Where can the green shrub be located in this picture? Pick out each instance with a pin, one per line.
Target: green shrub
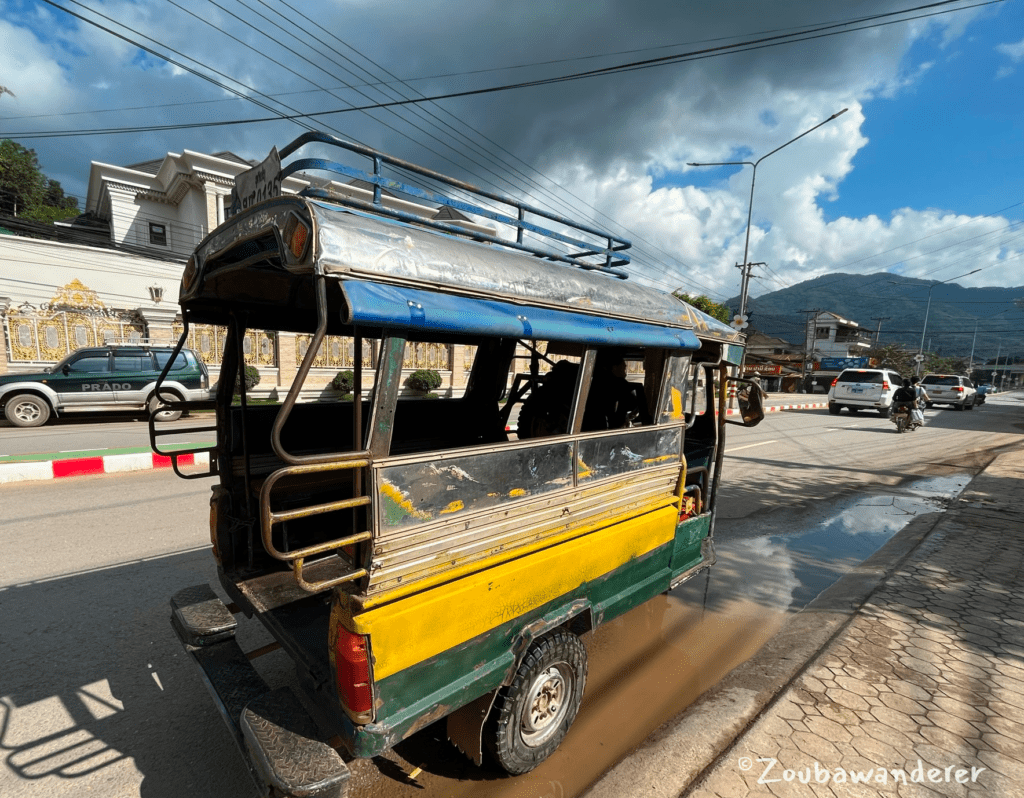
(344, 381)
(252, 379)
(424, 380)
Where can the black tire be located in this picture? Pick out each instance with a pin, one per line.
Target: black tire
(883, 412)
(901, 424)
(971, 405)
(960, 406)
(834, 409)
(928, 405)
(27, 410)
(531, 716)
(164, 415)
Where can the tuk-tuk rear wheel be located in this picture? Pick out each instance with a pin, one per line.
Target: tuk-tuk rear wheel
(531, 716)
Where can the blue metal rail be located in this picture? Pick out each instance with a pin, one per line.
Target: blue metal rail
(602, 254)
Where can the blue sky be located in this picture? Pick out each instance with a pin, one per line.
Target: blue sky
(911, 179)
(953, 139)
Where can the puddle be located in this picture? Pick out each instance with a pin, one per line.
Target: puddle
(650, 664)
(788, 570)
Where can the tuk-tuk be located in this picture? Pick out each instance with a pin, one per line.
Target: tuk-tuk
(428, 557)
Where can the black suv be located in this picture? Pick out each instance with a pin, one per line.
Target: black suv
(110, 377)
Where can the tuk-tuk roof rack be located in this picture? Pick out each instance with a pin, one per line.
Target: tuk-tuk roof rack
(602, 255)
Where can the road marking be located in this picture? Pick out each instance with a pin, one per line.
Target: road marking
(748, 446)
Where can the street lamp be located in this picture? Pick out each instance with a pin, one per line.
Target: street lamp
(745, 267)
(750, 207)
(924, 329)
(927, 308)
(970, 365)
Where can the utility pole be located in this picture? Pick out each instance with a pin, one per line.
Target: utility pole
(808, 346)
(878, 329)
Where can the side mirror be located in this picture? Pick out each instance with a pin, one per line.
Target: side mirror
(66, 370)
(751, 398)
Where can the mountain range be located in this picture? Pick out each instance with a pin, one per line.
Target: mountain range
(987, 319)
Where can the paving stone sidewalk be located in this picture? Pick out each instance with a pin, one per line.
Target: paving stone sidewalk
(922, 693)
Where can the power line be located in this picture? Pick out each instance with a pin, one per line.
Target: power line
(696, 55)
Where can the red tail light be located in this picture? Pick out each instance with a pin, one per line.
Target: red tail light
(834, 382)
(885, 385)
(959, 389)
(296, 236)
(353, 663)
(298, 242)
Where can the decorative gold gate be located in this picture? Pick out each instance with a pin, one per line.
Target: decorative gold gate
(73, 319)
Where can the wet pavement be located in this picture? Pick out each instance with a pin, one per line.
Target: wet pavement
(649, 665)
(917, 691)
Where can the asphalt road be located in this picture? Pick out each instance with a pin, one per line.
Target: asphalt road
(96, 696)
(83, 433)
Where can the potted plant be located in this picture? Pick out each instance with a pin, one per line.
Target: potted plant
(344, 381)
(423, 381)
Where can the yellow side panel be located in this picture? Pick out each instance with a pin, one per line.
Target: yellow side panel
(421, 626)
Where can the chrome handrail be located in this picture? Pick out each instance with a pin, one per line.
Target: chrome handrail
(297, 558)
(165, 403)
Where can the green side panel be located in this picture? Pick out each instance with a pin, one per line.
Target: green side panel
(430, 690)
(686, 551)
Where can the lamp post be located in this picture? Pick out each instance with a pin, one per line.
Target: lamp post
(927, 308)
(746, 267)
(750, 207)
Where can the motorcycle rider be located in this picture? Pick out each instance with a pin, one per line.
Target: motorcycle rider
(921, 397)
(905, 395)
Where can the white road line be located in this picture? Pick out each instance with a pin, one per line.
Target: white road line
(748, 446)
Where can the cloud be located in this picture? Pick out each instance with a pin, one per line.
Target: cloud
(613, 148)
(1015, 52)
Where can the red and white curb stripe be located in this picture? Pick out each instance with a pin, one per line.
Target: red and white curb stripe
(145, 461)
(777, 408)
(83, 466)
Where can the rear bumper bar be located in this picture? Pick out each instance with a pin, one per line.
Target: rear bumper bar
(278, 739)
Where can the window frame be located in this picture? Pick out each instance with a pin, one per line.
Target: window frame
(159, 234)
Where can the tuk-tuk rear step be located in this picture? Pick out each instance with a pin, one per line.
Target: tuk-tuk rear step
(284, 748)
(271, 727)
(273, 589)
(200, 617)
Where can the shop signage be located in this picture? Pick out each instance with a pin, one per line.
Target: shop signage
(762, 368)
(840, 363)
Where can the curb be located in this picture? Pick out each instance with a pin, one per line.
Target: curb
(84, 466)
(680, 753)
(777, 408)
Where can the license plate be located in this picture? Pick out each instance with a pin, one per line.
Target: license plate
(858, 390)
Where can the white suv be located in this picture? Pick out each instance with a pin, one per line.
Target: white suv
(950, 389)
(870, 389)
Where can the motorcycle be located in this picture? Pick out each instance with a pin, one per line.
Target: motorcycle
(903, 418)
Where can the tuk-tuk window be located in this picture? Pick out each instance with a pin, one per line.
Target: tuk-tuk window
(676, 390)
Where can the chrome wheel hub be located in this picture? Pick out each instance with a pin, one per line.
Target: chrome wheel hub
(26, 411)
(546, 704)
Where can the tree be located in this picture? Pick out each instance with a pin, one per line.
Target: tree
(897, 358)
(26, 192)
(705, 304)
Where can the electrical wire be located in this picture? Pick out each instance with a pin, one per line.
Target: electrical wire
(696, 55)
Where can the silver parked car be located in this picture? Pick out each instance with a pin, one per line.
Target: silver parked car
(868, 389)
(950, 389)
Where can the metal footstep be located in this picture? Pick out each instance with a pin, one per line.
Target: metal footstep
(283, 750)
(283, 746)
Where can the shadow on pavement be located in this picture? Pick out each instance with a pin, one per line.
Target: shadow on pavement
(96, 689)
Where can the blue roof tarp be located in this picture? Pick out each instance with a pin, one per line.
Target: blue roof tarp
(398, 307)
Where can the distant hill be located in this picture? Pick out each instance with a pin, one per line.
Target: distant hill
(900, 302)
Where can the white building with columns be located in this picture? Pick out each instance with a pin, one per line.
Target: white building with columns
(114, 272)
